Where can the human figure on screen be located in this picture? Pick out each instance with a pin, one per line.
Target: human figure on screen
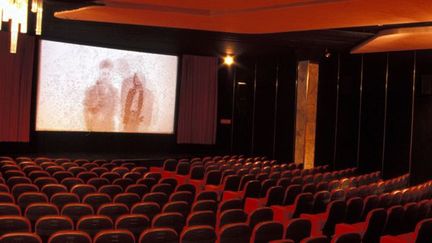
(136, 101)
(100, 101)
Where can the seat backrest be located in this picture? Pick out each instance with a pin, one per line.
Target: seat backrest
(274, 196)
(395, 216)
(260, 215)
(177, 207)
(114, 236)
(70, 236)
(375, 224)
(98, 182)
(19, 189)
(230, 204)
(113, 210)
(410, 216)
(93, 224)
(96, 199)
(370, 202)
(291, 194)
(198, 234)
(170, 165)
(213, 177)
(9, 209)
(20, 237)
(186, 188)
(76, 210)
(37, 210)
(298, 229)
(354, 210)
(207, 195)
(201, 218)
(51, 189)
(135, 223)
(238, 232)
(10, 224)
(48, 225)
(267, 231)
(321, 199)
(335, 214)
(423, 231)
(232, 216)
(182, 196)
(159, 235)
(128, 199)
(111, 190)
(157, 197)
(347, 238)
(252, 189)
(205, 205)
(149, 209)
(174, 221)
(138, 189)
(303, 204)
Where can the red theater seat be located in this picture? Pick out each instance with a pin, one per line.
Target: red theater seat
(20, 237)
(135, 223)
(234, 233)
(128, 199)
(149, 209)
(201, 218)
(113, 210)
(114, 236)
(267, 231)
(9, 209)
(62, 198)
(70, 236)
(96, 199)
(423, 233)
(36, 211)
(174, 221)
(93, 224)
(198, 234)
(347, 238)
(298, 229)
(159, 235)
(111, 190)
(48, 225)
(76, 210)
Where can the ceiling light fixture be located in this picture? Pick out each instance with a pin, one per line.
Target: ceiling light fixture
(16, 12)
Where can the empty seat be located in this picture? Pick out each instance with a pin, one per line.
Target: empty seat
(232, 233)
(395, 220)
(370, 230)
(423, 233)
(6, 198)
(9, 209)
(62, 198)
(10, 224)
(205, 205)
(177, 207)
(19, 189)
(14, 180)
(128, 199)
(135, 223)
(207, 195)
(174, 221)
(324, 223)
(28, 198)
(138, 189)
(150, 209)
(21, 237)
(113, 210)
(93, 224)
(157, 197)
(159, 235)
(98, 182)
(298, 229)
(198, 234)
(70, 236)
(182, 196)
(51, 189)
(61, 175)
(314, 239)
(123, 182)
(96, 200)
(267, 231)
(69, 182)
(260, 215)
(111, 190)
(42, 181)
(163, 187)
(86, 175)
(36, 211)
(347, 238)
(353, 210)
(232, 216)
(47, 225)
(114, 236)
(201, 218)
(76, 210)
(82, 190)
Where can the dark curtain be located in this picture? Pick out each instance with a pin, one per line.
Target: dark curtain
(16, 72)
(197, 117)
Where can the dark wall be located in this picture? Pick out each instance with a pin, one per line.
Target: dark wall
(264, 105)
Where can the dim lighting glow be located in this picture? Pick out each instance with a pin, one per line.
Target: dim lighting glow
(16, 12)
(229, 60)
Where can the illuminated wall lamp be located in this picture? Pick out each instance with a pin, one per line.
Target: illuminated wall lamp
(228, 60)
(16, 12)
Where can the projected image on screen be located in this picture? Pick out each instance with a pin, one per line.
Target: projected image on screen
(94, 89)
